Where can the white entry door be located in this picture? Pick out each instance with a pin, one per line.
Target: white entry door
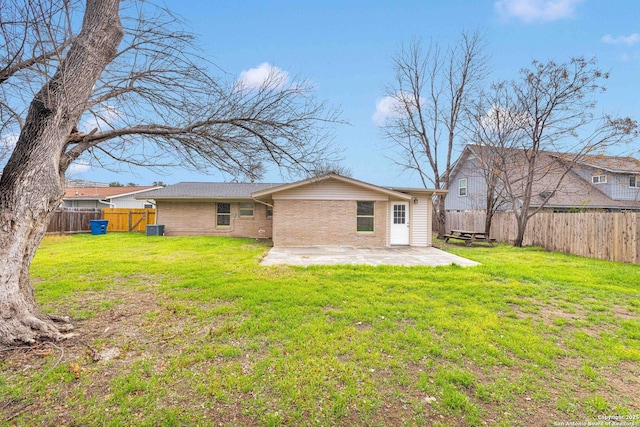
(399, 223)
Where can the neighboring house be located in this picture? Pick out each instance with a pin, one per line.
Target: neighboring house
(84, 183)
(598, 182)
(106, 197)
(326, 210)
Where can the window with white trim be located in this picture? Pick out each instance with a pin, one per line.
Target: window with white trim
(223, 214)
(365, 216)
(246, 209)
(462, 187)
(599, 179)
(634, 181)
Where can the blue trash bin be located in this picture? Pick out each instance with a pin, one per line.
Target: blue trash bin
(99, 226)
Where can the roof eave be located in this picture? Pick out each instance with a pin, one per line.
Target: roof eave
(225, 198)
(431, 191)
(270, 191)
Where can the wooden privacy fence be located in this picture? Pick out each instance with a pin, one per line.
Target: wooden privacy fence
(73, 221)
(124, 219)
(609, 236)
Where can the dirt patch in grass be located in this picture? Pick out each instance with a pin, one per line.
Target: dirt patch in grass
(138, 326)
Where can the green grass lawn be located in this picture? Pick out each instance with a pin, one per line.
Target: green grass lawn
(192, 331)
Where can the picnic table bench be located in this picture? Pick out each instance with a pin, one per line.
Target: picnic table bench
(469, 237)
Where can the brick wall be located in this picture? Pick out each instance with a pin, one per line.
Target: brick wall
(199, 219)
(325, 222)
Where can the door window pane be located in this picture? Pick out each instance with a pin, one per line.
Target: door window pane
(399, 214)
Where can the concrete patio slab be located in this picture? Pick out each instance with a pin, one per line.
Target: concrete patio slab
(333, 255)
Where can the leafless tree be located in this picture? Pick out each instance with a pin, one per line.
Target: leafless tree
(133, 89)
(428, 98)
(324, 168)
(541, 125)
(493, 131)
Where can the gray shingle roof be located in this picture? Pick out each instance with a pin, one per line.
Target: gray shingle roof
(613, 163)
(207, 190)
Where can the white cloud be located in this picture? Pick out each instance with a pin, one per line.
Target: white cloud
(629, 40)
(501, 121)
(536, 10)
(8, 141)
(263, 74)
(105, 118)
(393, 106)
(386, 108)
(78, 167)
(7, 144)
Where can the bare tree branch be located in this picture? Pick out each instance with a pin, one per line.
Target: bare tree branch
(130, 87)
(429, 95)
(543, 124)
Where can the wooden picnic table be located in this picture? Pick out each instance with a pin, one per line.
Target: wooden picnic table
(469, 236)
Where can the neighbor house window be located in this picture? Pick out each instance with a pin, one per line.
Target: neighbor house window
(599, 179)
(148, 206)
(246, 209)
(223, 214)
(462, 187)
(634, 181)
(269, 211)
(365, 216)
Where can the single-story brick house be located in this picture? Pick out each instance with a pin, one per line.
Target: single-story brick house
(326, 210)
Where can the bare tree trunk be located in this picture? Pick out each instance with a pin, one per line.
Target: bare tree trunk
(441, 216)
(522, 227)
(488, 219)
(27, 202)
(32, 183)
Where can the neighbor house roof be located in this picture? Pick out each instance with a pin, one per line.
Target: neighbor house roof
(207, 190)
(575, 192)
(102, 193)
(614, 164)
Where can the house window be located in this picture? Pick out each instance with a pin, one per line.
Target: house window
(365, 216)
(223, 214)
(246, 209)
(148, 206)
(634, 181)
(462, 187)
(269, 211)
(599, 179)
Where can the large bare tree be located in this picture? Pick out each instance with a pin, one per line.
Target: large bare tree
(536, 128)
(128, 86)
(492, 131)
(428, 97)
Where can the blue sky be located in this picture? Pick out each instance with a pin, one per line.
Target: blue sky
(345, 47)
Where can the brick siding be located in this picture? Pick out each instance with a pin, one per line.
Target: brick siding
(325, 222)
(199, 219)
